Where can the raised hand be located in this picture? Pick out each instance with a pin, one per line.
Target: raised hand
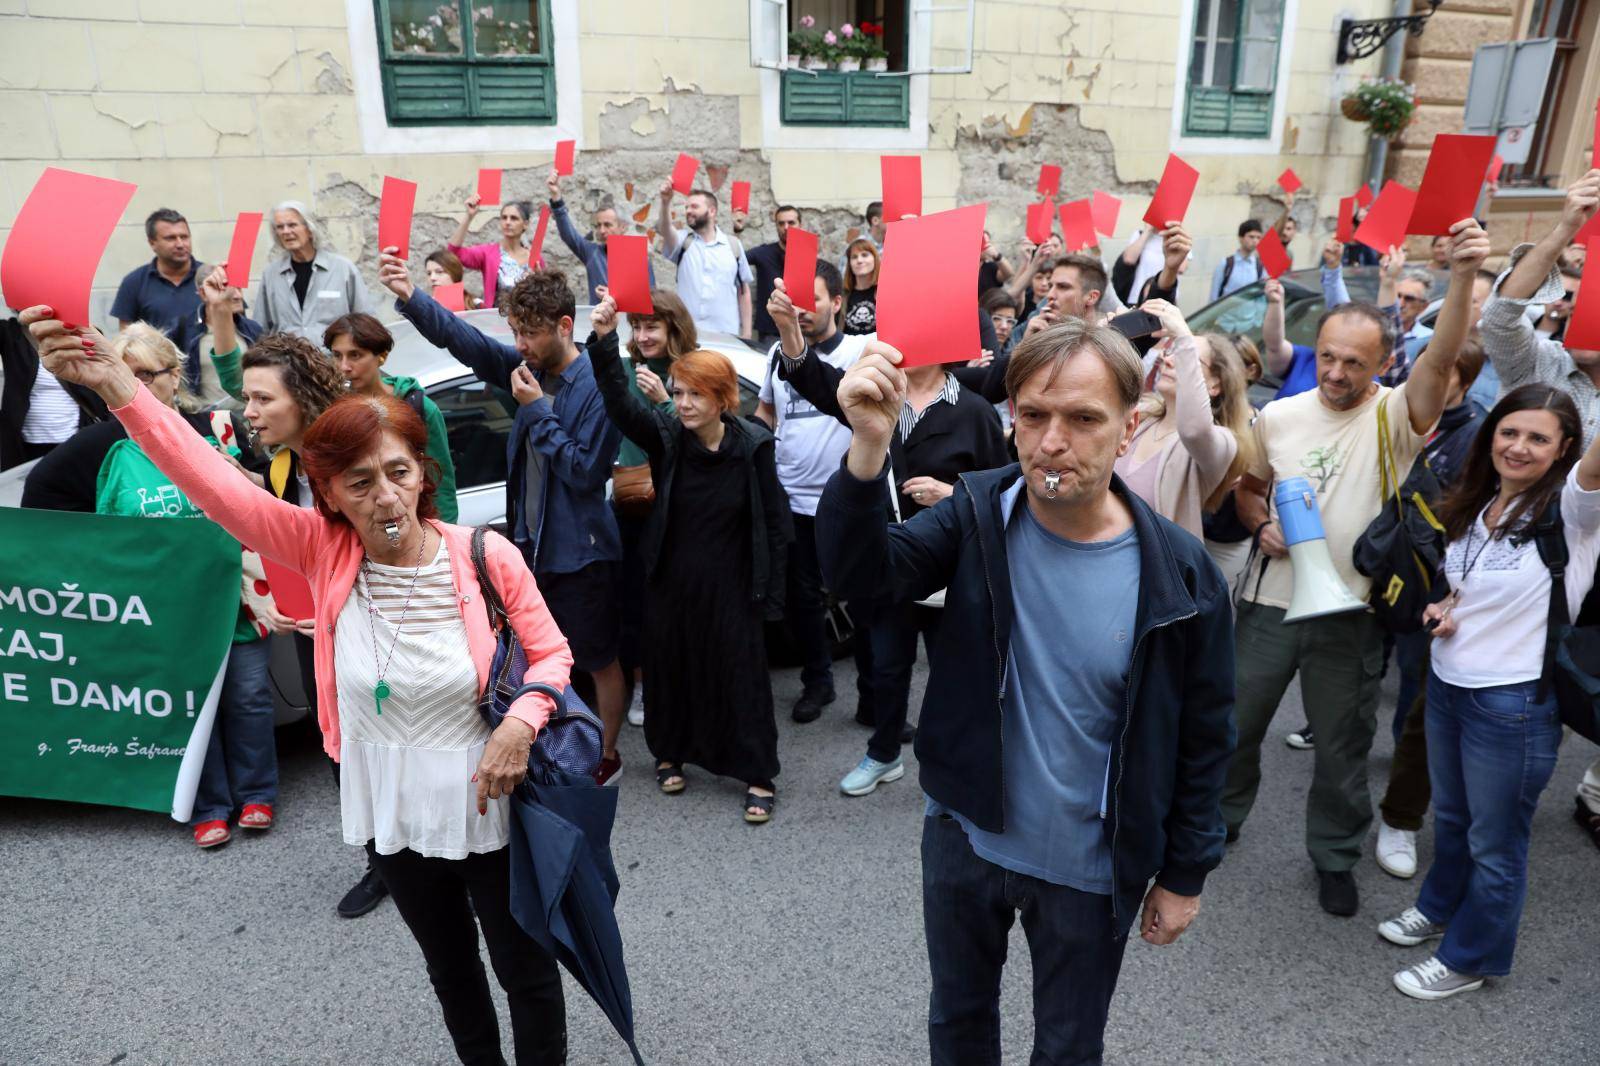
(1172, 320)
(871, 395)
(552, 182)
(81, 356)
(473, 203)
(393, 275)
(1332, 253)
(1469, 247)
(603, 319)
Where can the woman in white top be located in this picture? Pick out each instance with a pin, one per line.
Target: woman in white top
(1193, 437)
(1492, 733)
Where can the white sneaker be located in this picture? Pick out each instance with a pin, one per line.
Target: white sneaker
(1410, 928)
(1397, 851)
(636, 708)
(1434, 980)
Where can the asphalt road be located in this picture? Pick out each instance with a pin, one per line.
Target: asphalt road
(799, 942)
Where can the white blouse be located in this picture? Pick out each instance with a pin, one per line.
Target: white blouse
(406, 774)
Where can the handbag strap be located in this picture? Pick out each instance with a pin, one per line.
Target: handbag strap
(491, 596)
(1550, 538)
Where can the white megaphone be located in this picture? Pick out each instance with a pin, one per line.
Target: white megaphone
(1318, 589)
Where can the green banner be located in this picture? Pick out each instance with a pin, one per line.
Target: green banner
(114, 632)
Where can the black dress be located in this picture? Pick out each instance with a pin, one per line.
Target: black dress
(707, 693)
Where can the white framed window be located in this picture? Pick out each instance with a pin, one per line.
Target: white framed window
(1235, 58)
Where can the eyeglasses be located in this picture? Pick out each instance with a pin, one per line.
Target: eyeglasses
(149, 376)
(1413, 299)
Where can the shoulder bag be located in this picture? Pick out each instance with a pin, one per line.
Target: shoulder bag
(1402, 548)
(1571, 652)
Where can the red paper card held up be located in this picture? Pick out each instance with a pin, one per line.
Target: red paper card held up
(1364, 195)
(1049, 180)
(928, 287)
(539, 231)
(1594, 148)
(242, 249)
(451, 297)
(290, 590)
(57, 240)
(1289, 180)
(489, 185)
(800, 268)
(1105, 208)
(1451, 182)
(1385, 224)
(1583, 327)
(1077, 225)
(1496, 165)
(740, 198)
(628, 272)
(683, 172)
(565, 151)
(1274, 256)
(394, 215)
(1589, 235)
(1039, 220)
(1346, 232)
(902, 186)
(1171, 201)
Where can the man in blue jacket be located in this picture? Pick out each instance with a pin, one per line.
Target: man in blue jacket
(1077, 725)
(558, 461)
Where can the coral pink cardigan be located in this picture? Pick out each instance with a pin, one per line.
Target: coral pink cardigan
(329, 554)
(486, 258)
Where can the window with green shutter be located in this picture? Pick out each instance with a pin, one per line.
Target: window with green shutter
(845, 98)
(1233, 68)
(466, 62)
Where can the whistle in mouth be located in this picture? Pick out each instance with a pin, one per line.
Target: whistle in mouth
(392, 531)
(1052, 481)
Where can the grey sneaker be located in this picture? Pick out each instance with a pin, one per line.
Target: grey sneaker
(869, 774)
(1434, 980)
(1410, 929)
(1301, 739)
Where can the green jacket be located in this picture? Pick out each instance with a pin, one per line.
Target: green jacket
(630, 454)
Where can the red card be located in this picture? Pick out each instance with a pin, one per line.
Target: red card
(1451, 183)
(1105, 209)
(800, 268)
(57, 240)
(565, 150)
(246, 228)
(1583, 327)
(928, 287)
(683, 172)
(1347, 220)
(1289, 180)
(1589, 234)
(451, 297)
(1039, 219)
(1385, 224)
(1594, 149)
(902, 186)
(290, 591)
(1171, 201)
(628, 272)
(1274, 256)
(489, 185)
(394, 215)
(1049, 180)
(539, 231)
(1496, 165)
(741, 196)
(1077, 225)
(1364, 195)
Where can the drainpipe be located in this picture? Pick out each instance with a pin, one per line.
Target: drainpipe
(1393, 53)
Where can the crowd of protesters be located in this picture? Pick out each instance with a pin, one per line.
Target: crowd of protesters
(1121, 452)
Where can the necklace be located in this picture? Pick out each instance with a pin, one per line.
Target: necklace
(381, 690)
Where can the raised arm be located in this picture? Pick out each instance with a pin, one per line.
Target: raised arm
(1212, 446)
(579, 245)
(1430, 378)
(459, 237)
(813, 377)
(639, 421)
(1334, 293)
(1175, 246)
(669, 236)
(1530, 271)
(491, 360)
(1275, 346)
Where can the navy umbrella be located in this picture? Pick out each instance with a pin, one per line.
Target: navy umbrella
(563, 882)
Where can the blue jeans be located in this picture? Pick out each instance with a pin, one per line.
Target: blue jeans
(1491, 752)
(968, 906)
(242, 760)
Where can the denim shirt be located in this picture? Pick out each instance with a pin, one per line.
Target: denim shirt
(576, 525)
(591, 253)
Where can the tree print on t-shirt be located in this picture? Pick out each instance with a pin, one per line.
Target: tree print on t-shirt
(1321, 465)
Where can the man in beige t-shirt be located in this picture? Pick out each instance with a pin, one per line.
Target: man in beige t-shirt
(1330, 437)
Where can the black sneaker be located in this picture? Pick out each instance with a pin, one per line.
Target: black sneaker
(1336, 891)
(808, 708)
(1301, 739)
(367, 894)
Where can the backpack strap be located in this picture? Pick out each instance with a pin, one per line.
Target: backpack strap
(1227, 272)
(1550, 538)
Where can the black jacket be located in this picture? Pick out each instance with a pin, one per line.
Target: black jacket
(20, 364)
(661, 436)
(1175, 735)
(946, 442)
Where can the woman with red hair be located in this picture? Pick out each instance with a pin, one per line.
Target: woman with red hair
(403, 651)
(714, 550)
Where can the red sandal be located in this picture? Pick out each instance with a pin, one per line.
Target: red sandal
(256, 816)
(212, 834)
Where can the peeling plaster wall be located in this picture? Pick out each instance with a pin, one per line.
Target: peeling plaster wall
(249, 102)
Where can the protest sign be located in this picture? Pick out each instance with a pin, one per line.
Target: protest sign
(1049, 180)
(683, 172)
(395, 207)
(1274, 256)
(800, 268)
(928, 286)
(1385, 224)
(1173, 193)
(1345, 232)
(628, 277)
(451, 297)
(57, 240)
(1040, 218)
(1289, 181)
(1077, 225)
(902, 186)
(565, 153)
(242, 249)
(1456, 170)
(740, 200)
(1106, 208)
(488, 185)
(114, 634)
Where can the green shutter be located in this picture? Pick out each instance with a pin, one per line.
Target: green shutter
(471, 90)
(1220, 113)
(845, 98)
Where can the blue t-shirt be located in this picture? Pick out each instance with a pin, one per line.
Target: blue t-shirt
(1302, 375)
(1066, 687)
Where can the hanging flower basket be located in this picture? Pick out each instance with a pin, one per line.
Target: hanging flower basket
(1354, 109)
(1386, 105)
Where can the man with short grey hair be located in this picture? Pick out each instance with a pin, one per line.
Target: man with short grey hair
(1413, 292)
(590, 250)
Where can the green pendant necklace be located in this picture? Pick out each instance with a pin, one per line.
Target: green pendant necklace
(381, 690)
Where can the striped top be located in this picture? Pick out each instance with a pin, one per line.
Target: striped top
(910, 416)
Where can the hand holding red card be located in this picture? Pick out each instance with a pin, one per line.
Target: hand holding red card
(1039, 219)
(57, 240)
(1077, 225)
(740, 198)
(488, 185)
(1364, 195)
(928, 286)
(1451, 183)
(628, 272)
(902, 186)
(565, 151)
(1171, 201)
(1105, 208)
(1346, 231)
(1049, 180)
(1289, 180)
(800, 268)
(242, 249)
(394, 215)
(451, 297)
(1583, 326)
(1274, 256)
(539, 231)
(1385, 224)
(683, 172)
